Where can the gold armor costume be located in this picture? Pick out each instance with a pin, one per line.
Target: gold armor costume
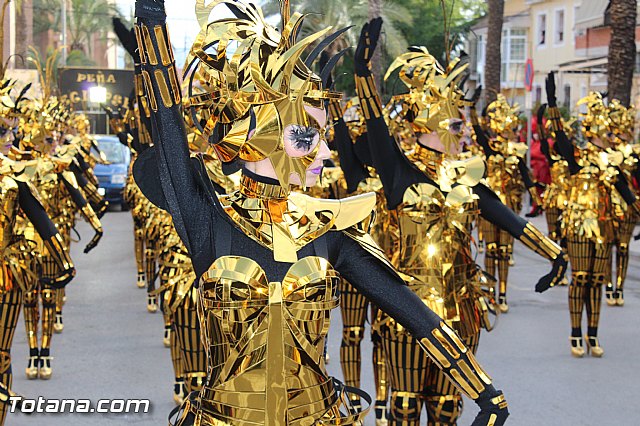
(267, 258)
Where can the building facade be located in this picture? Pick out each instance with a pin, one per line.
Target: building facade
(570, 37)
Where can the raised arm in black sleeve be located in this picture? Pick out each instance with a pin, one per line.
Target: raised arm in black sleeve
(186, 199)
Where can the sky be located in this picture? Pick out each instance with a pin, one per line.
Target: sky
(181, 19)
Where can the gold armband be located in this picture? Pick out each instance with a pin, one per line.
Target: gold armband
(335, 110)
(555, 118)
(92, 218)
(369, 99)
(535, 196)
(117, 125)
(545, 247)
(57, 250)
(158, 54)
(446, 349)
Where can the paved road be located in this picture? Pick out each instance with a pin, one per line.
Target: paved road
(112, 348)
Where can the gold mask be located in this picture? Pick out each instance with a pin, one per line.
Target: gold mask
(434, 99)
(252, 82)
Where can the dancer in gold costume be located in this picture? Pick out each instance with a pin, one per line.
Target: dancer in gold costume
(350, 140)
(436, 194)
(22, 217)
(621, 137)
(507, 176)
(267, 258)
(62, 198)
(589, 219)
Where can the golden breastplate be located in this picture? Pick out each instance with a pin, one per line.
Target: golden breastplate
(435, 244)
(265, 343)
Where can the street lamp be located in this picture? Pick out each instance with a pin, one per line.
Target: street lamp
(97, 94)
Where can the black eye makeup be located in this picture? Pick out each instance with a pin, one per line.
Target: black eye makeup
(303, 137)
(3, 131)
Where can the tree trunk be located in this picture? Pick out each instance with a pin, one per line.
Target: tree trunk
(622, 49)
(24, 32)
(493, 59)
(375, 10)
(5, 3)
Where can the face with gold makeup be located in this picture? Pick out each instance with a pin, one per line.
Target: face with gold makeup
(261, 102)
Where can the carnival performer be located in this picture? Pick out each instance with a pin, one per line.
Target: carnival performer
(589, 218)
(62, 198)
(267, 258)
(436, 195)
(18, 271)
(621, 133)
(350, 141)
(507, 176)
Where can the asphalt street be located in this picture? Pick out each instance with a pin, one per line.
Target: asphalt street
(112, 348)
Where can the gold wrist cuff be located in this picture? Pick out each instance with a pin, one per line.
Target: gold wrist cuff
(92, 218)
(165, 77)
(57, 250)
(117, 125)
(533, 191)
(545, 247)
(335, 111)
(555, 118)
(448, 351)
(369, 99)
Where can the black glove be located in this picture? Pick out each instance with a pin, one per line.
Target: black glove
(366, 46)
(550, 84)
(554, 277)
(489, 409)
(151, 9)
(94, 242)
(126, 36)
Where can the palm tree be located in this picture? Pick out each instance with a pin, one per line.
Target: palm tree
(24, 26)
(622, 49)
(343, 13)
(85, 18)
(493, 63)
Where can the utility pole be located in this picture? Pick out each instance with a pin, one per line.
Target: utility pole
(64, 32)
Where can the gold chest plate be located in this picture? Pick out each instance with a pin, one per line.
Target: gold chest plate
(265, 343)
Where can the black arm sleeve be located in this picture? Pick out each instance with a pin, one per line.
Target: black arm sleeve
(76, 196)
(483, 140)
(564, 147)
(354, 171)
(526, 175)
(186, 200)
(622, 185)
(80, 177)
(493, 210)
(35, 212)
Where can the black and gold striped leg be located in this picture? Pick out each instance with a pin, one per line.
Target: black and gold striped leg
(622, 256)
(179, 387)
(151, 267)
(58, 325)
(408, 369)
(10, 304)
(353, 307)
(552, 215)
(380, 373)
(186, 328)
(138, 241)
(48, 315)
(443, 401)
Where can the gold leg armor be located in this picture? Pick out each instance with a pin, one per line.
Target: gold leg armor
(48, 315)
(138, 239)
(187, 332)
(553, 223)
(354, 313)
(10, 303)
(31, 316)
(590, 265)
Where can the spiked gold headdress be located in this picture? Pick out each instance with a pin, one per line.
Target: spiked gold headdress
(252, 82)
(595, 122)
(434, 99)
(503, 118)
(621, 120)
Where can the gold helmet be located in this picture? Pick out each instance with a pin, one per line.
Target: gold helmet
(621, 120)
(434, 100)
(252, 82)
(595, 122)
(502, 118)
